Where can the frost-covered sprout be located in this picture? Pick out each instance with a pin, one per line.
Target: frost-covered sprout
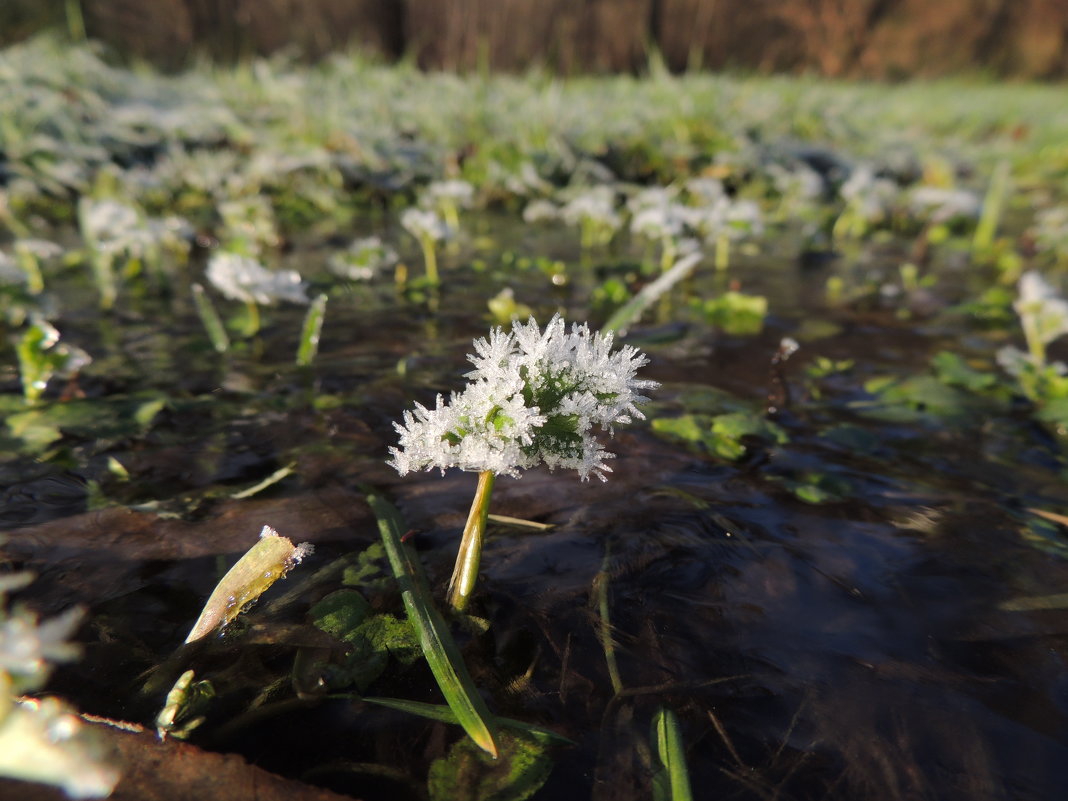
(447, 198)
(423, 224)
(540, 210)
(535, 397)
(1050, 232)
(665, 224)
(43, 357)
(245, 279)
(248, 224)
(363, 259)
(113, 230)
(594, 211)
(428, 229)
(41, 740)
(868, 198)
(1044, 318)
(706, 191)
(1043, 315)
(28, 646)
(29, 253)
(940, 204)
(10, 272)
(722, 221)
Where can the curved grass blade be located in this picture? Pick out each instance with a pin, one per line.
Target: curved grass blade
(437, 644)
(673, 782)
(993, 204)
(210, 318)
(309, 334)
(630, 311)
(444, 714)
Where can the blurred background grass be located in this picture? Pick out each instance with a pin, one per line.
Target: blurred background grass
(880, 39)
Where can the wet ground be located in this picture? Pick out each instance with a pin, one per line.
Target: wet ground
(855, 603)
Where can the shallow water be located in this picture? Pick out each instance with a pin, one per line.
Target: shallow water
(826, 614)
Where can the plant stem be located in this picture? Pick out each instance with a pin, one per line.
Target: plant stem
(253, 320)
(431, 259)
(465, 573)
(600, 593)
(723, 252)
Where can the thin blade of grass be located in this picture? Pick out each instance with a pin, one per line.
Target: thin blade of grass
(630, 311)
(600, 594)
(444, 714)
(990, 216)
(210, 318)
(309, 334)
(441, 651)
(271, 480)
(673, 757)
(1035, 603)
(1053, 517)
(518, 522)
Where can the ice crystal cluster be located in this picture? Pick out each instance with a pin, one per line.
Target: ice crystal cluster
(43, 740)
(243, 278)
(534, 397)
(1044, 318)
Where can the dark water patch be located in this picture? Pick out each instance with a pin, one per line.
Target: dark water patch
(823, 595)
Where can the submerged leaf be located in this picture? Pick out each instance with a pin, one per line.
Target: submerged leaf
(372, 639)
(722, 434)
(468, 774)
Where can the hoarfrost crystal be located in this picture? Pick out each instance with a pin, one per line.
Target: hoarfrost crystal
(243, 278)
(534, 397)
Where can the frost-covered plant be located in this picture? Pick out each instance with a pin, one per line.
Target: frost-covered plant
(10, 272)
(43, 357)
(248, 225)
(428, 229)
(245, 279)
(722, 221)
(1044, 318)
(535, 397)
(1050, 232)
(114, 230)
(447, 198)
(869, 200)
(939, 204)
(540, 210)
(657, 217)
(594, 211)
(41, 740)
(29, 253)
(363, 259)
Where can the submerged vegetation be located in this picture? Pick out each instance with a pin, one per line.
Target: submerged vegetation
(219, 290)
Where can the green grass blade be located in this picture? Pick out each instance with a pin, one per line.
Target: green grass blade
(990, 216)
(437, 644)
(630, 311)
(212, 324)
(309, 334)
(673, 783)
(444, 714)
(600, 594)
